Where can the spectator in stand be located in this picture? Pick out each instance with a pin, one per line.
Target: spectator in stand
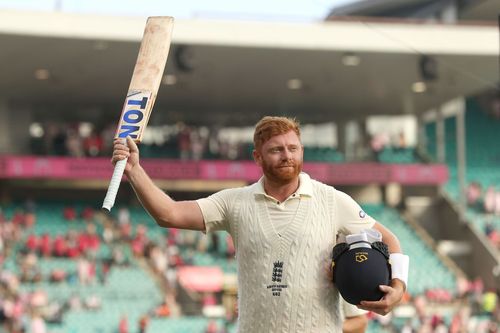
(490, 200)
(29, 220)
(197, 145)
(11, 232)
(107, 135)
(420, 303)
(74, 302)
(143, 323)
(108, 234)
(158, 259)
(473, 194)
(118, 258)
(489, 302)
(87, 214)
(93, 302)
(29, 205)
(476, 290)
(211, 327)
(171, 276)
(188, 238)
(92, 240)
(74, 144)
(123, 216)
(93, 144)
(45, 245)
(32, 243)
(377, 144)
(103, 267)
(202, 245)
(18, 218)
(140, 241)
(37, 324)
(69, 213)
(123, 325)
(184, 141)
(162, 310)
(125, 231)
(497, 203)
(60, 246)
(58, 145)
(2, 216)
(72, 250)
(57, 275)
(208, 300)
(175, 259)
(494, 237)
(84, 271)
(29, 269)
(172, 238)
(400, 143)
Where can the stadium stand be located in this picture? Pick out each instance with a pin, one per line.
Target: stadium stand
(482, 164)
(422, 255)
(114, 295)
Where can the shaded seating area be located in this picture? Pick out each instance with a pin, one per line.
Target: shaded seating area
(420, 281)
(482, 164)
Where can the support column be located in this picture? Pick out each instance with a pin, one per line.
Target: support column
(461, 155)
(14, 129)
(5, 128)
(449, 13)
(440, 136)
(421, 135)
(341, 137)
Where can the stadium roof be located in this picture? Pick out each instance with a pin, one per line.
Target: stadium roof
(234, 72)
(477, 10)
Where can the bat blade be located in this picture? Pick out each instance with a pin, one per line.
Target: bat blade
(146, 78)
(142, 91)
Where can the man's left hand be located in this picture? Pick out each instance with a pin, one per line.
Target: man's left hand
(393, 295)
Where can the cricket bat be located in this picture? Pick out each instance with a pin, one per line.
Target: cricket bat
(142, 91)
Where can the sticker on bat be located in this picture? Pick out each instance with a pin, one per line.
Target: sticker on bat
(134, 114)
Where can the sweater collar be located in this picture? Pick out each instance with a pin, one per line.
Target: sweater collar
(305, 186)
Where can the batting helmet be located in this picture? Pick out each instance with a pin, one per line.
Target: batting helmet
(359, 269)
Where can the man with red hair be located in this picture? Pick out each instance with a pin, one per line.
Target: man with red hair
(283, 227)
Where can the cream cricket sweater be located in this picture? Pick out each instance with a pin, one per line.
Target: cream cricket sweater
(283, 284)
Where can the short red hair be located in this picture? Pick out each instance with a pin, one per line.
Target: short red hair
(268, 127)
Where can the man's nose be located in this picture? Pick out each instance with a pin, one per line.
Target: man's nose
(287, 154)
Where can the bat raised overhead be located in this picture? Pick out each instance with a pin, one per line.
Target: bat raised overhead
(142, 91)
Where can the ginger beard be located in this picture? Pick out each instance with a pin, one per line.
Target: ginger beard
(282, 173)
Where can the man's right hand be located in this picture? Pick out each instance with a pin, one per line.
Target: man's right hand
(122, 151)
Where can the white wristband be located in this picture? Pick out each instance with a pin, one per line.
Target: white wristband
(400, 264)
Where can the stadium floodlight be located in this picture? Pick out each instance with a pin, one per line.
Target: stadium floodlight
(350, 59)
(294, 84)
(419, 87)
(41, 74)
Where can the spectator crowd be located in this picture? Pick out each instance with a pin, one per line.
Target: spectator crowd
(471, 308)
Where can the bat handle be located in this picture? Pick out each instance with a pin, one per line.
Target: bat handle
(114, 184)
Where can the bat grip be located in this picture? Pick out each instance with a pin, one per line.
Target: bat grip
(114, 184)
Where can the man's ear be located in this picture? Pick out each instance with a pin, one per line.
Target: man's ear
(257, 157)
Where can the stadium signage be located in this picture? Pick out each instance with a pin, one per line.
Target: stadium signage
(12, 167)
